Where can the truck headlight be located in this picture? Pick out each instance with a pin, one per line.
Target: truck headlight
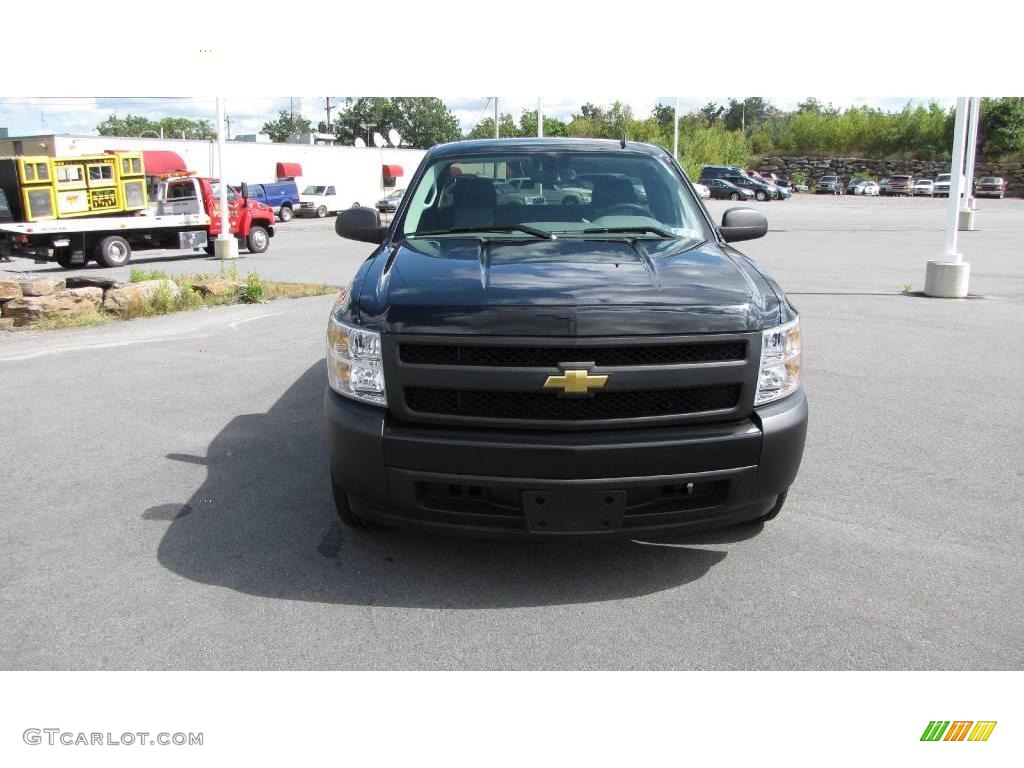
(779, 374)
(354, 365)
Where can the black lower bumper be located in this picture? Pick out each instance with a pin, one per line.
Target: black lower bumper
(607, 483)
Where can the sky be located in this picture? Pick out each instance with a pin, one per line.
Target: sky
(80, 115)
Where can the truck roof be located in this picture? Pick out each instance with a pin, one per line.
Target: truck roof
(539, 145)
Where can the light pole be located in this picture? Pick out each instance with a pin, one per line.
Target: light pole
(967, 209)
(225, 246)
(947, 276)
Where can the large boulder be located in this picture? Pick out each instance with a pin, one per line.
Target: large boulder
(6, 323)
(41, 287)
(9, 289)
(67, 303)
(136, 294)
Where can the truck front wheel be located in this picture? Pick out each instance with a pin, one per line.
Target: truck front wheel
(321, 211)
(257, 240)
(286, 213)
(113, 251)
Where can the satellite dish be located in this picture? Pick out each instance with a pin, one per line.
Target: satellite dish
(378, 140)
(394, 137)
(359, 142)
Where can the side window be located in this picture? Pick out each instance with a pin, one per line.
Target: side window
(330, 191)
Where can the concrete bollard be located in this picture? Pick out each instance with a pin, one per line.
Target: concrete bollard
(965, 222)
(947, 279)
(225, 248)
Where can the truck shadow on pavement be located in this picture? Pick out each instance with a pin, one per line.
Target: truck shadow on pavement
(263, 523)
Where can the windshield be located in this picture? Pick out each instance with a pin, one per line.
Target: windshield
(828, 178)
(943, 177)
(313, 190)
(990, 180)
(569, 193)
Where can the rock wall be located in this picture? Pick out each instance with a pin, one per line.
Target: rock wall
(846, 167)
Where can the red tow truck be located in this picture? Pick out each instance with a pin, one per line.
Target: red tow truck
(184, 215)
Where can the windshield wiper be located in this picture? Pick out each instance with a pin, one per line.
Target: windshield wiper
(626, 230)
(495, 228)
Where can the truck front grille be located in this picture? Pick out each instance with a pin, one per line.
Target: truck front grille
(548, 406)
(508, 356)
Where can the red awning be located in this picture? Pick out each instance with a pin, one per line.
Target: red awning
(288, 170)
(161, 161)
(391, 171)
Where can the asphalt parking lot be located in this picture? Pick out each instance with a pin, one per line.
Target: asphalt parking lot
(166, 504)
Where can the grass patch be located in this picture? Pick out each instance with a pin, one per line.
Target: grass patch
(255, 290)
(72, 321)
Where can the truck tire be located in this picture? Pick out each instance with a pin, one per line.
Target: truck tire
(113, 251)
(257, 241)
(286, 213)
(63, 257)
(321, 211)
(344, 509)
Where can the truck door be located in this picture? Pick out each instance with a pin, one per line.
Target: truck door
(235, 210)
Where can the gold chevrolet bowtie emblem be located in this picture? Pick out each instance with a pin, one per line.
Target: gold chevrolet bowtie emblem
(575, 382)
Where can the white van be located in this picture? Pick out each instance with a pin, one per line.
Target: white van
(319, 200)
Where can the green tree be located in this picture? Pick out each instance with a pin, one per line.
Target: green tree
(176, 127)
(170, 127)
(130, 125)
(285, 125)
(421, 121)
(1001, 126)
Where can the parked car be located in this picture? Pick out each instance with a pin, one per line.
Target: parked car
(555, 192)
(867, 189)
(390, 201)
(781, 192)
(854, 184)
(319, 200)
(282, 196)
(734, 174)
(900, 185)
(675, 405)
(990, 186)
(942, 184)
(725, 190)
(883, 186)
(923, 188)
(702, 190)
(828, 185)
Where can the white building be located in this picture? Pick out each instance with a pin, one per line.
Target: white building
(363, 174)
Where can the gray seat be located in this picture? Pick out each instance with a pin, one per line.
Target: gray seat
(610, 191)
(473, 203)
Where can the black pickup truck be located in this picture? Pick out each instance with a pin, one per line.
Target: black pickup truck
(605, 368)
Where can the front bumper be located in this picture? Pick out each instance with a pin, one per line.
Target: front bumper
(599, 484)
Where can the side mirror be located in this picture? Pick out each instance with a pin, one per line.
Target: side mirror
(743, 224)
(245, 192)
(360, 224)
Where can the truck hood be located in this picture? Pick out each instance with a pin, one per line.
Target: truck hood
(563, 288)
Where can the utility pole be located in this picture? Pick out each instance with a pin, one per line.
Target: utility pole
(329, 113)
(540, 118)
(227, 120)
(225, 246)
(497, 127)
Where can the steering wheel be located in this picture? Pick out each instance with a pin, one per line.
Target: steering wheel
(626, 209)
